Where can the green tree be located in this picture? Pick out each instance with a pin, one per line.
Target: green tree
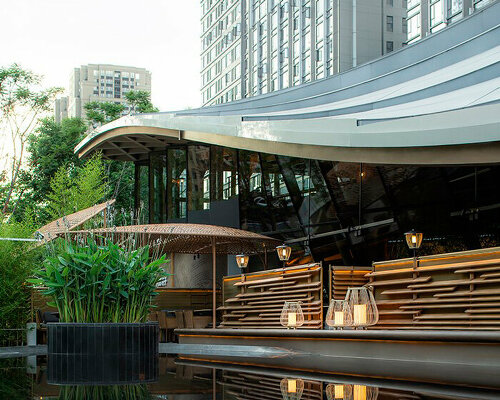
(99, 113)
(22, 103)
(74, 189)
(140, 102)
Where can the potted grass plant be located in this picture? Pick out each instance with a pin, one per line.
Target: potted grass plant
(103, 293)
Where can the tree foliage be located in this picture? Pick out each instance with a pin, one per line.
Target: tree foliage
(99, 113)
(22, 103)
(140, 102)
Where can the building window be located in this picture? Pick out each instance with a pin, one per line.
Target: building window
(389, 46)
(437, 13)
(404, 4)
(390, 3)
(404, 24)
(390, 23)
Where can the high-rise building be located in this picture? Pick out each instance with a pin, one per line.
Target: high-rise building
(252, 47)
(429, 16)
(100, 82)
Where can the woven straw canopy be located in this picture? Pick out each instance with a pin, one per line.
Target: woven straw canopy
(188, 238)
(71, 221)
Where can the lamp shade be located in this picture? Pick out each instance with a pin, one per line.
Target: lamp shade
(284, 252)
(414, 239)
(291, 389)
(242, 260)
(292, 315)
(339, 314)
(363, 306)
(338, 391)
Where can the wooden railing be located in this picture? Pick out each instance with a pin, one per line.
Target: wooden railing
(446, 291)
(255, 300)
(342, 278)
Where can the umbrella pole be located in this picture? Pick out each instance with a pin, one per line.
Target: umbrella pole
(214, 286)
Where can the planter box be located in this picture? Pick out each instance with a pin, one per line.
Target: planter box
(107, 353)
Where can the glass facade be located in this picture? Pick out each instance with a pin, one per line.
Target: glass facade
(336, 212)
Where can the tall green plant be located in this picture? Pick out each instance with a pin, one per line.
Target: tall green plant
(17, 262)
(92, 282)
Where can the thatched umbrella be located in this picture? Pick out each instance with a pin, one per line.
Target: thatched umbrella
(190, 239)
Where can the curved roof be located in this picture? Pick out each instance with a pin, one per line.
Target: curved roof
(434, 102)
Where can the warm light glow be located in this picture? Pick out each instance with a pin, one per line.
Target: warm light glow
(359, 392)
(284, 252)
(292, 386)
(339, 318)
(291, 315)
(339, 391)
(292, 319)
(360, 314)
(414, 239)
(242, 260)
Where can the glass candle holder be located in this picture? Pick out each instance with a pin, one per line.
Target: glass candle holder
(292, 315)
(340, 391)
(291, 389)
(339, 314)
(363, 306)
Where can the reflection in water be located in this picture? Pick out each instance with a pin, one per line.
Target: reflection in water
(292, 389)
(183, 380)
(115, 392)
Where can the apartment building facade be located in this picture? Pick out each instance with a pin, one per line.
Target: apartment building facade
(100, 82)
(252, 47)
(429, 16)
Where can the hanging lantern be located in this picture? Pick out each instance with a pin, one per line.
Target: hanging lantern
(284, 252)
(291, 389)
(292, 315)
(362, 392)
(338, 391)
(363, 306)
(242, 260)
(339, 314)
(414, 239)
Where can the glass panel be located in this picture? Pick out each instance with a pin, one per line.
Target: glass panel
(284, 218)
(176, 182)
(253, 204)
(198, 178)
(142, 193)
(158, 174)
(224, 173)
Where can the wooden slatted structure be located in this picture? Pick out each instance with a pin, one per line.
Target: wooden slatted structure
(255, 300)
(247, 386)
(343, 277)
(446, 291)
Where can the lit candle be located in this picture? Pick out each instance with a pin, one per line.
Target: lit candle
(292, 386)
(359, 392)
(339, 391)
(339, 318)
(292, 319)
(360, 314)
(414, 239)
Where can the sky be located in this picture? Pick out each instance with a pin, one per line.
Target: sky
(51, 37)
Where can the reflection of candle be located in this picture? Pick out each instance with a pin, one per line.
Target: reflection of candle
(360, 314)
(359, 392)
(339, 391)
(339, 318)
(292, 319)
(292, 386)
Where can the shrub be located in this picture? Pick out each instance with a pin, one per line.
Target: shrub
(92, 282)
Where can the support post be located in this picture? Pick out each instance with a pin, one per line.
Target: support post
(214, 284)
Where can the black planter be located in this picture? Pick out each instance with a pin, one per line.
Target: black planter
(102, 353)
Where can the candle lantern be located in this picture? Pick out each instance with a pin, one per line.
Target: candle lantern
(284, 253)
(292, 315)
(338, 391)
(362, 392)
(363, 306)
(291, 389)
(414, 239)
(339, 314)
(242, 261)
